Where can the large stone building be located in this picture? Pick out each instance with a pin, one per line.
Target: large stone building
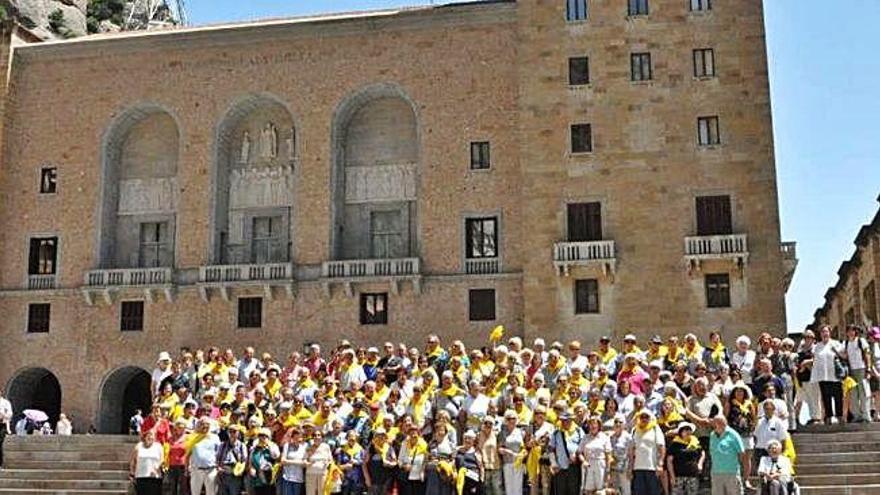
(566, 168)
(855, 299)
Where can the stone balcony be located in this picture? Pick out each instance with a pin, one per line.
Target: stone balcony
(585, 253)
(789, 262)
(733, 247)
(106, 282)
(41, 282)
(392, 270)
(266, 275)
(482, 266)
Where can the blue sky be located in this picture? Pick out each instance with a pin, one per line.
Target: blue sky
(825, 83)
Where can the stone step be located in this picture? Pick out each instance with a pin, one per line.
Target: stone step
(839, 468)
(831, 429)
(836, 458)
(80, 439)
(838, 479)
(118, 465)
(833, 447)
(840, 490)
(69, 447)
(32, 491)
(841, 436)
(63, 474)
(62, 485)
(13, 456)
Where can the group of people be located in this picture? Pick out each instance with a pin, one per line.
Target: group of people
(665, 416)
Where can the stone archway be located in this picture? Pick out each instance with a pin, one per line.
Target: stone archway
(124, 390)
(36, 388)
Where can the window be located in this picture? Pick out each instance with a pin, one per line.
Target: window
(48, 176)
(374, 309)
(638, 7)
(586, 296)
(575, 10)
(480, 155)
(481, 237)
(481, 304)
(387, 234)
(38, 318)
(131, 317)
(708, 131)
(581, 138)
(250, 312)
(585, 222)
(869, 298)
(268, 240)
(701, 5)
(154, 246)
(704, 62)
(714, 215)
(43, 256)
(641, 66)
(578, 71)
(718, 290)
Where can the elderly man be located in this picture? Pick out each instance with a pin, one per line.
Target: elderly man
(729, 462)
(702, 406)
(565, 462)
(776, 470)
(202, 459)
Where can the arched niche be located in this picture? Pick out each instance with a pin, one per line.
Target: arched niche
(256, 150)
(376, 157)
(35, 388)
(125, 390)
(139, 193)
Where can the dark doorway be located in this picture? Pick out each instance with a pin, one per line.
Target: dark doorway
(125, 390)
(36, 388)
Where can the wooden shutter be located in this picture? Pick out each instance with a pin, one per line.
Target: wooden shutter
(714, 215)
(585, 222)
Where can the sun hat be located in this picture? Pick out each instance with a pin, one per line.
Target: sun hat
(163, 356)
(685, 424)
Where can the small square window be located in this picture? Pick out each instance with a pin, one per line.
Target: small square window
(131, 317)
(581, 138)
(641, 67)
(701, 5)
(250, 312)
(38, 318)
(48, 177)
(586, 296)
(374, 309)
(708, 131)
(704, 62)
(638, 7)
(481, 237)
(481, 304)
(575, 10)
(480, 155)
(578, 71)
(718, 290)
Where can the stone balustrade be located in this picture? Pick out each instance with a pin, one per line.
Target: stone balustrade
(584, 253)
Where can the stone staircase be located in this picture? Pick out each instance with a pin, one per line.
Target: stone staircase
(838, 459)
(79, 464)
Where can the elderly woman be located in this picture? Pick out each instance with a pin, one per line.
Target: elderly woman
(145, 466)
(469, 461)
(511, 441)
(595, 450)
(825, 371)
(685, 458)
(775, 471)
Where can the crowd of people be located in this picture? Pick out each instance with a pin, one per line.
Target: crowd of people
(646, 418)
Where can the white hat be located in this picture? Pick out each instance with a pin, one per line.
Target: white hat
(742, 339)
(163, 356)
(629, 336)
(540, 342)
(373, 350)
(685, 424)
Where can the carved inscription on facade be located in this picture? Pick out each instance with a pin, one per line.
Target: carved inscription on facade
(380, 183)
(139, 196)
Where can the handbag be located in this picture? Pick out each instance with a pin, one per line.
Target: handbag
(841, 370)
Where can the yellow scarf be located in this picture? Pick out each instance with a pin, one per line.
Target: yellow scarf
(334, 474)
(596, 408)
(191, 440)
(691, 444)
(695, 352)
(745, 407)
(670, 419)
(452, 391)
(381, 448)
(648, 427)
(533, 463)
(352, 451)
(718, 353)
(672, 354)
(418, 409)
(420, 447)
(662, 350)
(608, 355)
(437, 352)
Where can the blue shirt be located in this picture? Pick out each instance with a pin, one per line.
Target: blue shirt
(725, 450)
(204, 453)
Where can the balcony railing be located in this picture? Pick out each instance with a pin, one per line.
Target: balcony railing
(789, 262)
(482, 266)
(245, 273)
(41, 282)
(129, 277)
(583, 253)
(789, 250)
(733, 246)
(392, 267)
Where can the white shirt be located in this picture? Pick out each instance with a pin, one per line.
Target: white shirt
(781, 409)
(772, 429)
(64, 428)
(823, 361)
(595, 448)
(416, 463)
(158, 376)
(293, 472)
(781, 464)
(5, 410)
(647, 449)
(854, 353)
(149, 461)
(745, 363)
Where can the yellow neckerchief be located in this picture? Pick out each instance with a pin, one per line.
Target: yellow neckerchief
(418, 408)
(191, 440)
(382, 448)
(745, 407)
(205, 368)
(670, 419)
(551, 417)
(320, 420)
(379, 421)
(561, 392)
(695, 353)
(334, 474)
(662, 351)
(306, 382)
(252, 433)
(648, 427)
(596, 407)
(718, 353)
(580, 382)
(225, 419)
(600, 382)
(452, 391)
(437, 352)
(420, 447)
(371, 361)
(558, 366)
(381, 392)
(352, 451)
(571, 428)
(524, 415)
(691, 444)
(672, 353)
(170, 400)
(272, 387)
(487, 366)
(391, 436)
(608, 355)
(533, 463)
(461, 374)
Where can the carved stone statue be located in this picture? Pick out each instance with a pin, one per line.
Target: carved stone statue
(291, 145)
(245, 147)
(269, 141)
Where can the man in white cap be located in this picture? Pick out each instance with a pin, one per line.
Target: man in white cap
(202, 459)
(162, 371)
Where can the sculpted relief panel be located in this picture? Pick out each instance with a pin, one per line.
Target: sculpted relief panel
(380, 183)
(139, 196)
(261, 187)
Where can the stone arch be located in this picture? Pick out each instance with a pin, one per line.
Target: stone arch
(256, 150)
(376, 151)
(140, 151)
(123, 390)
(35, 388)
